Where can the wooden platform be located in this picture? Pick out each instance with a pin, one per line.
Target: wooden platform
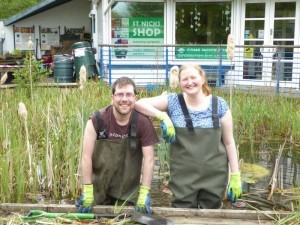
(178, 216)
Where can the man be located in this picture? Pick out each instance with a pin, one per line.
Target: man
(118, 148)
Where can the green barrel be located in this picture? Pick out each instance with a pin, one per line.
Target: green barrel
(63, 69)
(84, 55)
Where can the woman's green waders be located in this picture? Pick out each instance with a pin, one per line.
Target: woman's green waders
(117, 168)
(198, 168)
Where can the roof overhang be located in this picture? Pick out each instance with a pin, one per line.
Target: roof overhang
(36, 9)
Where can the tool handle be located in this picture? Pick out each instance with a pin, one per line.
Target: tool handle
(37, 214)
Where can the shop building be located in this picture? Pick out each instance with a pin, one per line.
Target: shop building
(143, 39)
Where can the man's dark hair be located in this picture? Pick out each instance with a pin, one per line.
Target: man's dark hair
(121, 82)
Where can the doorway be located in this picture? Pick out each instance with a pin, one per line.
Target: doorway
(269, 31)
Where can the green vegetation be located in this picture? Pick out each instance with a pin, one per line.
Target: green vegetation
(40, 149)
(55, 125)
(30, 74)
(9, 8)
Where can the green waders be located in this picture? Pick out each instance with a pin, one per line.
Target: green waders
(198, 165)
(117, 165)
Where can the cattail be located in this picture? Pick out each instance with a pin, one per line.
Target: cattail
(82, 76)
(23, 113)
(173, 77)
(30, 43)
(230, 47)
(164, 93)
(6, 143)
(3, 78)
(22, 110)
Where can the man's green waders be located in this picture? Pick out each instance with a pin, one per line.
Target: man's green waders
(198, 165)
(117, 166)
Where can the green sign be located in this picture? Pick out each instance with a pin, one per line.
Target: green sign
(201, 52)
(146, 27)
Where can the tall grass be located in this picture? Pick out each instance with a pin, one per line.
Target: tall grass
(260, 116)
(55, 124)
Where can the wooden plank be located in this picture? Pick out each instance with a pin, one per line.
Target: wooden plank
(59, 85)
(165, 212)
(219, 213)
(201, 221)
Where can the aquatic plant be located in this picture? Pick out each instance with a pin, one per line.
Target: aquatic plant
(55, 122)
(3, 78)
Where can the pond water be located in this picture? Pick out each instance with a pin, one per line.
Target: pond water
(257, 182)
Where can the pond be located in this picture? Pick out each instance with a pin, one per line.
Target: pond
(262, 159)
(257, 162)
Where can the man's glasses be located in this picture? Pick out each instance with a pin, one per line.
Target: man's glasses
(127, 95)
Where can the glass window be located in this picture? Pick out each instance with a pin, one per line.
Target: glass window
(252, 69)
(137, 23)
(285, 9)
(255, 10)
(254, 29)
(137, 9)
(281, 70)
(202, 22)
(284, 28)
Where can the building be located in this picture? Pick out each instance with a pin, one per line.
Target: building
(155, 35)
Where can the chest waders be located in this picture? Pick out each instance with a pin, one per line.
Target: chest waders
(116, 165)
(198, 164)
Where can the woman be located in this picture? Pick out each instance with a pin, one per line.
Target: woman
(203, 143)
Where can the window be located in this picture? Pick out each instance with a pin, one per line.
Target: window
(137, 23)
(202, 22)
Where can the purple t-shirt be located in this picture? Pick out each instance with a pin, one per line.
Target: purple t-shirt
(144, 127)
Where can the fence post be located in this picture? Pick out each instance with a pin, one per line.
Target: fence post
(167, 66)
(220, 69)
(109, 65)
(278, 70)
(101, 62)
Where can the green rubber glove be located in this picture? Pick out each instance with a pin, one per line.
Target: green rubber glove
(234, 189)
(143, 203)
(168, 130)
(87, 198)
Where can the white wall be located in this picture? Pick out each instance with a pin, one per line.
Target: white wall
(1, 36)
(1, 25)
(74, 14)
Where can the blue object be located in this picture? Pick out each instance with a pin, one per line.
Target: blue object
(146, 208)
(231, 197)
(164, 129)
(82, 208)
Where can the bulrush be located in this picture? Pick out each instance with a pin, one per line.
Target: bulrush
(30, 43)
(23, 113)
(173, 77)
(82, 76)
(22, 110)
(164, 93)
(230, 47)
(3, 79)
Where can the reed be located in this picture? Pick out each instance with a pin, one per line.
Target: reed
(55, 124)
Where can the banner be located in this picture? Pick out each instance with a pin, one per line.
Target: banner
(22, 36)
(48, 37)
(200, 52)
(138, 31)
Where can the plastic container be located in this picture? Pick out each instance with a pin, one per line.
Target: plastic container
(84, 55)
(63, 69)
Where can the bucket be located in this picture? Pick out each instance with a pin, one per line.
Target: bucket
(63, 69)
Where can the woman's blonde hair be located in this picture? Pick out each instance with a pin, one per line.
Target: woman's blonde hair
(206, 88)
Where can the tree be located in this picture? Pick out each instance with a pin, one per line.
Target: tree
(9, 8)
